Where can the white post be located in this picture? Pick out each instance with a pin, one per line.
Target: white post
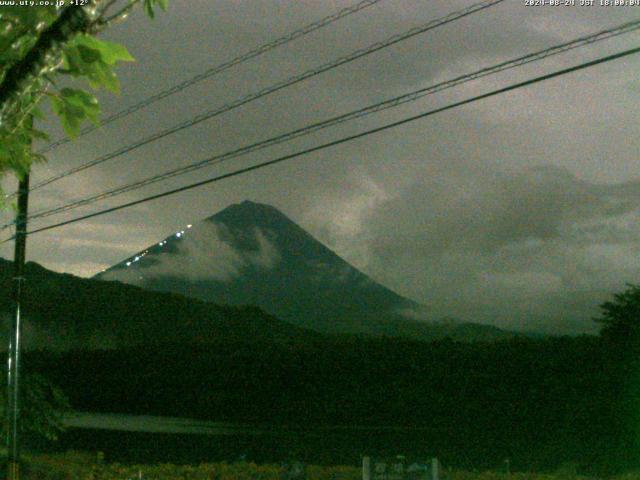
(434, 469)
(366, 468)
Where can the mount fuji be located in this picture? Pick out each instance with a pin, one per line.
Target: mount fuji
(253, 254)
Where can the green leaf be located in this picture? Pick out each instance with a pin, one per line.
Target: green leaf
(83, 100)
(91, 58)
(38, 157)
(110, 52)
(73, 106)
(72, 61)
(39, 134)
(103, 76)
(37, 113)
(98, 73)
(70, 116)
(89, 55)
(148, 8)
(15, 152)
(114, 52)
(150, 4)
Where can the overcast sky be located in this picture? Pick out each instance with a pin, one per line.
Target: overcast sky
(521, 210)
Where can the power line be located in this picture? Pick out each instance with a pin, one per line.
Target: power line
(380, 106)
(307, 29)
(276, 87)
(333, 143)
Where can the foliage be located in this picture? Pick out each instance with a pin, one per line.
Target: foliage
(86, 56)
(77, 55)
(539, 402)
(43, 406)
(149, 6)
(620, 317)
(75, 467)
(82, 56)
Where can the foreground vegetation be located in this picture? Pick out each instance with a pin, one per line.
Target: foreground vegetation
(78, 466)
(539, 402)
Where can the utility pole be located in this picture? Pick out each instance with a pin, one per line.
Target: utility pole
(15, 82)
(13, 366)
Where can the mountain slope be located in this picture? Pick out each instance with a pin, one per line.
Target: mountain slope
(63, 311)
(251, 253)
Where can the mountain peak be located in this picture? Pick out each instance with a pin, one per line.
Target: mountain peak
(252, 253)
(249, 212)
(241, 221)
(248, 205)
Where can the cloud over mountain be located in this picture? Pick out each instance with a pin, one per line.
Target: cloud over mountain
(537, 247)
(251, 253)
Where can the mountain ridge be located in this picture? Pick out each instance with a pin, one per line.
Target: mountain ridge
(252, 253)
(63, 311)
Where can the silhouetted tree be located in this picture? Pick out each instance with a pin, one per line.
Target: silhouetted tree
(43, 407)
(620, 317)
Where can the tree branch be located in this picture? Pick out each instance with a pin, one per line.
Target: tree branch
(20, 76)
(119, 15)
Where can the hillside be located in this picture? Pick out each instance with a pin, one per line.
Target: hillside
(64, 311)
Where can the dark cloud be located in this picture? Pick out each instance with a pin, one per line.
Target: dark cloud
(495, 243)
